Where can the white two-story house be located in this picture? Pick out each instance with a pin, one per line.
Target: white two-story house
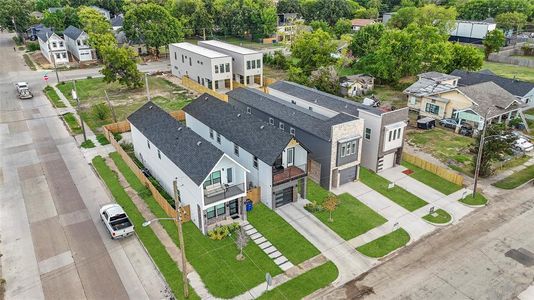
(247, 63)
(78, 44)
(276, 161)
(207, 67)
(209, 181)
(52, 46)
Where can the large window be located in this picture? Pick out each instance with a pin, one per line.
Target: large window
(210, 212)
(258, 63)
(221, 66)
(216, 69)
(221, 209)
(248, 65)
(214, 178)
(229, 175)
(367, 133)
(432, 108)
(227, 68)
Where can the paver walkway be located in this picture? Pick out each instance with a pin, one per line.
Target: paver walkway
(434, 198)
(281, 261)
(348, 261)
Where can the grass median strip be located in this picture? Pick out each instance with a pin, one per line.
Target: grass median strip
(29, 62)
(432, 180)
(479, 199)
(282, 235)
(517, 179)
(304, 284)
(52, 95)
(161, 258)
(351, 217)
(215, 261)
(386, 244)
(396, 194)
(73, 124)
(439, 216)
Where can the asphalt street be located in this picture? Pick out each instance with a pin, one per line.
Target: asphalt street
(53, 243)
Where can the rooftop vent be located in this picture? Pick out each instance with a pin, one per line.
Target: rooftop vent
(238, 115)
(150, 107)
(262, 126)
(180, 128)
(205, 97)
(199, 143)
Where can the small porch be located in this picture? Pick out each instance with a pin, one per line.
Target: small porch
(290, 173)
(224, 213)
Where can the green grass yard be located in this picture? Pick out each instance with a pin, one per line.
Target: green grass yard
(396, 194)
(386, 244)
(438, 217)
(517, 179)
(155, 248)
(72, 122)
(215, 261)
(510, 71)
(53, 97)
(282, 235)
(444, 186)
(351, 217)
(304, 284)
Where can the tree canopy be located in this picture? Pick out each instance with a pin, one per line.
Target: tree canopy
(15, 14)
(97, 28)
(511, 21)
(61, 19)
(120, 64)
(482, 9)
(493, 42)
(429, 15)
(366, 40)
(313, 50)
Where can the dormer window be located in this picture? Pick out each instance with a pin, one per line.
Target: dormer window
(281, 126)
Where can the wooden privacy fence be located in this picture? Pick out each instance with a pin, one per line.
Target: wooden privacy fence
(169, 210)
(440, 171)
(254, 194)
(190, 84)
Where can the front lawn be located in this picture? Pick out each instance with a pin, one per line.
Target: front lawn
(510, 71)
(479, 199)
(53, 97)
(162, 259)
(351, 217)
(516, 179)
(440, 184)
(386, 244)
(438, 217)
(124, 101)
(72, 122)
(304, 284)
(215, 261)
(450, 148)
(396, 194)
(282, 235)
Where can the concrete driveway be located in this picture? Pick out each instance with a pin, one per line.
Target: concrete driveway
(348, 261)
(53, 243)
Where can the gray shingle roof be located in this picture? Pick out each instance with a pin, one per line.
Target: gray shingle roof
(248, 132)
(489, 95)
(195, 156)
(514, 87)
(304, 119)
(72, 32)
(44, 34)
(323, 99)
(117, 21)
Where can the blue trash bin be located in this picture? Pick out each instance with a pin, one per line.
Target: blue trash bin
(248, 205)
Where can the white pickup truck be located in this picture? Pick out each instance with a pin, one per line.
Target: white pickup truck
(116, 220)
(24, 90)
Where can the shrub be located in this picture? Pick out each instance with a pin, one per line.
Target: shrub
(101, 111)
(32, 46)
(127, 147)
(101, 138)
(313, 207)
(88, 144)
(117, 136)
(220, 232)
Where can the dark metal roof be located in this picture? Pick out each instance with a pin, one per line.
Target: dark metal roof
(248, 132)
(323, 99)
(513, 86)
(195, 156)
(72, 32)
(304, 119)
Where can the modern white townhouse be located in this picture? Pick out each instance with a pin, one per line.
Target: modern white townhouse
(335, 143)
(209, 181)
(247, 64)
(383, 136)
(276, 161)
(207, 67)
(78, 44)
(53, 47)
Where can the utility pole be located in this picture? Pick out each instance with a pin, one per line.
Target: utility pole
(75, 94)
(480, 150)
(147, 88)
(50, 54)
(111, 107)
(178, 207)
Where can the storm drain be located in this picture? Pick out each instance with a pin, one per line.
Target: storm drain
(522, 256)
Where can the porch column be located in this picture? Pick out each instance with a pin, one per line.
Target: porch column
(261, 78)
(231, 84)
(304, 188)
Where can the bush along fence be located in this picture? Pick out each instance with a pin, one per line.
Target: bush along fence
(124, 126)
(440, 171)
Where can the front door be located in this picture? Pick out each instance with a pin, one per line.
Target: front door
(233, 207)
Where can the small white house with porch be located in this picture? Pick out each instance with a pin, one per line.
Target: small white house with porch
(78, 44)
(53, 47)
(210, 182)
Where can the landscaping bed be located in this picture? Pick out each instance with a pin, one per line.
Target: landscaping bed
(386, 244)
(162, 259)
(215, 261)
(304, 284)
(351, 217)
(281, 234)
(438, 217)
(517, 179)
(53, 97)
(432, 180)
(396, 194)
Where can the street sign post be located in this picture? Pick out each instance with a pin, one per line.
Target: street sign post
(45, 77)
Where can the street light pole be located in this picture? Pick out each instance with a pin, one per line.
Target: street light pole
(178, 207)
(147, 88)
(480, 150)
(78, 109)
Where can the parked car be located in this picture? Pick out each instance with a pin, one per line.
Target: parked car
(116, 220)
(426, 123)
(23, 90)
(524, 144)
(449, 123)
(466, 129)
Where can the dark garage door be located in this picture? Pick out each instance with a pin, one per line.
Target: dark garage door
(283, 197)
(347, 175)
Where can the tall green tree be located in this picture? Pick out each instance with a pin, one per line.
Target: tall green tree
(15, 14)
(326, 10)
(120, 66)
(366, 40)
(194, 15)
(467, 58)
(511, 21)
(483, 9)
(493, 42)
(61, 19)
(429, 15)
(325, 79)
(288, 6)
(152, 24)
(343, 26)
(313, 50)
(97, 28)
(42, 5)
(500, 142)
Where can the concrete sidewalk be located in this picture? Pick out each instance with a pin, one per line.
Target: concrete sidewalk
(348, 261)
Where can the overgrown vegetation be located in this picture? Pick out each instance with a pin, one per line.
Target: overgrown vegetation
(72, 123)
(53, 97)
